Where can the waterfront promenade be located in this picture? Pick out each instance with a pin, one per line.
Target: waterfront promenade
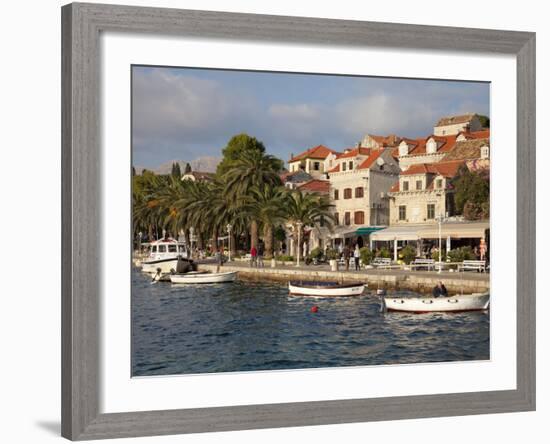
(418, 281)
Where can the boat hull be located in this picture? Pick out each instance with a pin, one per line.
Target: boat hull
(471, 302)
(164, 265)
(327, 290)
(203, 278)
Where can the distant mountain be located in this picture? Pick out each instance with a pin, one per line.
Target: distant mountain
(206, 164)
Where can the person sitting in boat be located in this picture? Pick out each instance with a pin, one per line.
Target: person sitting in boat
(439, 290)
(183, 266)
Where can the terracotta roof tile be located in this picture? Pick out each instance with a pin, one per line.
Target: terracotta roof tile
(453, 120)
(386, 141)
(467, 149)
(395, 187)
(354, 152)
(367, 163)
(315, 186)
(446, 169)
(336, 169)
(317, 152)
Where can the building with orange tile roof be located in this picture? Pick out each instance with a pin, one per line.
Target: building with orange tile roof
(423, 192)
(359, 180)
(315, 161)
(317, 186)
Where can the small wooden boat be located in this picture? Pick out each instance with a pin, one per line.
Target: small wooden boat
(467, 302)
(202, 277)
(324, 289)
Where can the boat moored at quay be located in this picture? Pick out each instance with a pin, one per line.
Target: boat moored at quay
(458, 303)
(325, 289)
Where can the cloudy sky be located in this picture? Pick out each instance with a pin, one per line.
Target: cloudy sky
(183, 113)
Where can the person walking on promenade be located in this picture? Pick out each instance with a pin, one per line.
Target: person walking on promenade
(261, 255)
(341, 250)
(253, 257)
(346, 257)
(356, 256)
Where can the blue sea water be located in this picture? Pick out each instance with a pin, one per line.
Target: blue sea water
(249, 326)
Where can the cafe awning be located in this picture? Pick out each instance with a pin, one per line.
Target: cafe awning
(342, 232)
(455, 230)
(364, 231)
(348, 231)
(396, 233)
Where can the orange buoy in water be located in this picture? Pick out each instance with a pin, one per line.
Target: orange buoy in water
(314, 309)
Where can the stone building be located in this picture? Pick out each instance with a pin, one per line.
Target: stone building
(423, 192)
(431, 149)
(359, 182)
(312, 161)
(453, 125)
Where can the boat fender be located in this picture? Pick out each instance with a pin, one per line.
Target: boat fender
(314, 309)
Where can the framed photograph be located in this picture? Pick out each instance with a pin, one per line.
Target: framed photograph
(278, 221)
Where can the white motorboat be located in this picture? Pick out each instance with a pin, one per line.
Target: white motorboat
(325, 289)
(203, 277)
(163, 257)
(467, 302)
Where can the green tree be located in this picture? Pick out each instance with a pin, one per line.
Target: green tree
(408, 254)
(267, 204)
(367, 255)
(187, 168)
(472, 192)
(239, 147)
(304, 209)
(484, 120)
(176, 170)
(256, 169)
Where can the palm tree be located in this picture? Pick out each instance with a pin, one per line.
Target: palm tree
(255, 170)
(268, 207)
(148, 213)
(305, 209)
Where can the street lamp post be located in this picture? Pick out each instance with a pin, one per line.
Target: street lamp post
(439, 219)
(191, 233)
(229, 239)
(299, 225)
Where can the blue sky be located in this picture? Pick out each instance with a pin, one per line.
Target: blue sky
(184, 113)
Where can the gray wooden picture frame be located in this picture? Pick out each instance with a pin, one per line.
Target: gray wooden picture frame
(81, 254)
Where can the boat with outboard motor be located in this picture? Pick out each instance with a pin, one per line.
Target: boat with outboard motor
(464, 302)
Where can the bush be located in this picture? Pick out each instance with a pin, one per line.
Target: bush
(332, 254)
(383, 252)
(316, 253)
(461, 254)
(367, 255)
(284, 258)
(408, 254)
(435, 255)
